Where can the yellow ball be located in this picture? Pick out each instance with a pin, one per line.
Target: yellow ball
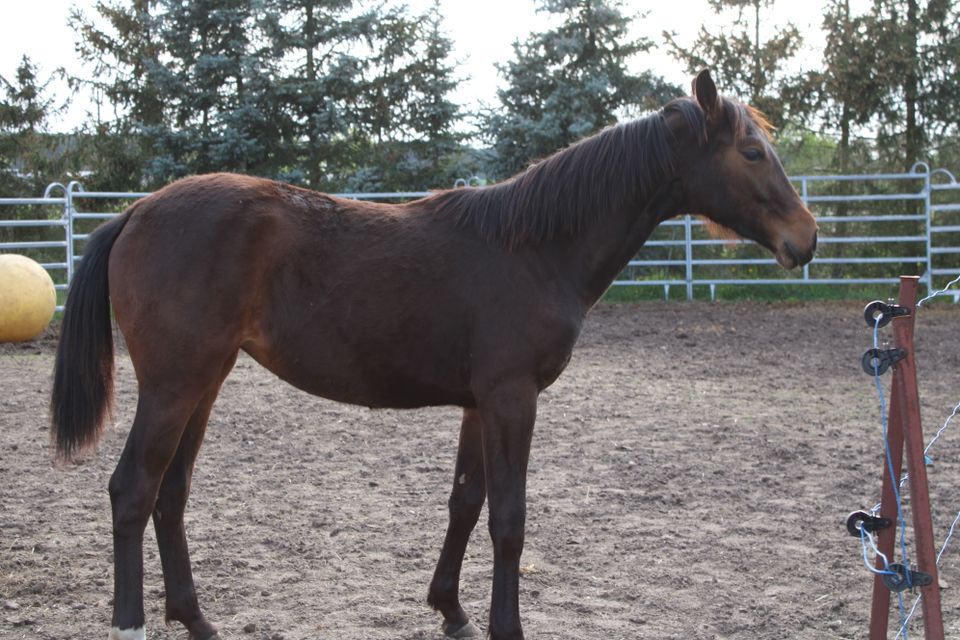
(27, 298)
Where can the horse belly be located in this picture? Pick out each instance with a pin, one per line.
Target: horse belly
(401, 375)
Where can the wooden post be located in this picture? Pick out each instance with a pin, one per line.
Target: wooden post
(904, 429)
(905, 383)
(886, 538)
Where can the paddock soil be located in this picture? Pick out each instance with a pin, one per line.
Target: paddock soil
(690, 478)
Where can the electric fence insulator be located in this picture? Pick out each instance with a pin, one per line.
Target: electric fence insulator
(881, 313)
(861, 520)
(875, 362)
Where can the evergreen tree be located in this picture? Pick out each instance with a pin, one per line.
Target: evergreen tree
(212, 82)
(412, 121)
(919, 47)
(433, 115)
(124, 48)
(846, 93)
(569, 82)
(317, 81)
(125, 55)
(743, 63)
(300, 89)
(29, 157)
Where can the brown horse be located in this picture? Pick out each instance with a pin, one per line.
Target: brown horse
(469, 297)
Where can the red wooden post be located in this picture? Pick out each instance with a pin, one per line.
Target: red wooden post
(886, 538)
(906, 386)
(904, 428)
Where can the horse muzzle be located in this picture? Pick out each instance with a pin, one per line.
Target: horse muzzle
(790, 255)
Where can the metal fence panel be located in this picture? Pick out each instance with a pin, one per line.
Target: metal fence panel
(912, 218)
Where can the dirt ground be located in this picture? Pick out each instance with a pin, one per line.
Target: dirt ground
(690, 477)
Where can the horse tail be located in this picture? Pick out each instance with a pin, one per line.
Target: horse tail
(82, 395)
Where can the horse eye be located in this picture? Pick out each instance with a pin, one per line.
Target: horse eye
(752, 154)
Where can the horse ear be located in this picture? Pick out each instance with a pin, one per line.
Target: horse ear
(706, 93)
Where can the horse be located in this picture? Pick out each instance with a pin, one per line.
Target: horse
(470, 297)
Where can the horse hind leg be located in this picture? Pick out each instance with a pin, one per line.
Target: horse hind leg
(466, 501)
(181, 596)
(152, 442)
(164, 409)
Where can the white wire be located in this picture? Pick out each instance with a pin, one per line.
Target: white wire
(940, 291)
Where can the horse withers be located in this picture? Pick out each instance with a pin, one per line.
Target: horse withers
(472, 297)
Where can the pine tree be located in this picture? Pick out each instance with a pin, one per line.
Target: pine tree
(845, 94)
(28, 155)
(412, 121)
(433, 116)
(743, 63)
(314, 44)
(569, 82)
(208, 77)
(124, 48)
(125, 55)
(919, 45)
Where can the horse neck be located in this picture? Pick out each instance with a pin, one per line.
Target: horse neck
(601, 252)
(602, 249)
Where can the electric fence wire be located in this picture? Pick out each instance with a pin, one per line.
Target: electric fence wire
(950, 532)
(926, 451)
(916, 601)
(939, 292)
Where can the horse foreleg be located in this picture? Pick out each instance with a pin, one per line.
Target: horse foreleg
(466, 501)
(508, 412)
(151, 445)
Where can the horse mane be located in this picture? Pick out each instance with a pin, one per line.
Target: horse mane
(564, 193)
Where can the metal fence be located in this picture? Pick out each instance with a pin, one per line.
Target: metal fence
(873, 229)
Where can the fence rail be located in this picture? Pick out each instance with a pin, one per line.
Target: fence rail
(882, 224)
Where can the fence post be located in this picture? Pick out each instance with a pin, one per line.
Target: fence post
(688, 253)
(906, 383)
(887, 538)
(68, 211)
(927, 202)
(803, 196)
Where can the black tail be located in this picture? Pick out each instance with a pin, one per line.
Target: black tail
(83, 372)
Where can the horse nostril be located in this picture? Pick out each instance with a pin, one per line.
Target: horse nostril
(813, 247)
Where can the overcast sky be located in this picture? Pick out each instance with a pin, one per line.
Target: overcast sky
(482, 33)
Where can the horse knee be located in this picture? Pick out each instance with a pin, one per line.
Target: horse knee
(507, 532)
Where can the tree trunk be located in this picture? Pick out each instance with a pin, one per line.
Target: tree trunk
(910, 87)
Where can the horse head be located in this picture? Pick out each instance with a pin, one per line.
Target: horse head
(735, 179)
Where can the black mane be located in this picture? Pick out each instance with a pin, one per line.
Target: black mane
(564, 193)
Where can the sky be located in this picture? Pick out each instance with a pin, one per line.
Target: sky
(482, 32)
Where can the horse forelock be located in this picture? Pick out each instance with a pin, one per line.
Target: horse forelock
(741, 116)
(566, 192)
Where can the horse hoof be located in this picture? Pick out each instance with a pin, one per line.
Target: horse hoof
(468, 630)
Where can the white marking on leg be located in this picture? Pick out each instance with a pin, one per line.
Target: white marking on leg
(128, 634)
